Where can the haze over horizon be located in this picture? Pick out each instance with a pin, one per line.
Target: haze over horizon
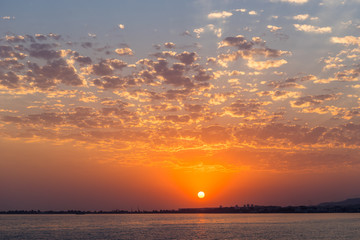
(124, 104)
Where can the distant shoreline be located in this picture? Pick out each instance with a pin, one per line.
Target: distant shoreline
(238, 210)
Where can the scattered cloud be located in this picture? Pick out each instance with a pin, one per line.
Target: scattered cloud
(124, 51)
(312, 29)
(261, 65)
(7, 18)
(347, 40)
(170, 45)
(273, 28)
(223, 14)
(253, 12)
(301, 17)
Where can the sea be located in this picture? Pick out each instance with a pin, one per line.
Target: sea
(182, 226)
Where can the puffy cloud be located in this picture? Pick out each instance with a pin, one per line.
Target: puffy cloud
(174, 75)
(208, 28)
(260, 65)
(198, 31)
(11, 64)
(15, 38)
(83, 60)
(348, 75)
(279, 95)
(7, 17)
(121, 26)
(187, 57)
(273, 28)
(40, 37)
(333, 62)
(169, 45)
(301, 17)
(253, 13)
(10, 79)
(223, 14)
(312, 29)
(347, 40)
(239, 41)
(124, 51)
(44, 51)
(54, 36)
(112, 82)
(9, 52)
(313, 100)
(49, 75)
(107, 67)
(215, 30)
(249, 50)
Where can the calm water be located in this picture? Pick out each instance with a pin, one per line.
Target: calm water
(182, 226)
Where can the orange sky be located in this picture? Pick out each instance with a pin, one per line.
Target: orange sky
(249, 101)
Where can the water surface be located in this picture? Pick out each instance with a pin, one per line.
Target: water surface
(182, 226)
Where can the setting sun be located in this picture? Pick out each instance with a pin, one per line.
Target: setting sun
(201, 194)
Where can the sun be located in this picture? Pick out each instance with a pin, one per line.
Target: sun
(201, 194)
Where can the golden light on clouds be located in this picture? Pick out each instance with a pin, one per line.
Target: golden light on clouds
(240, 101)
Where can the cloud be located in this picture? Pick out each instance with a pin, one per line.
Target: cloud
(292, 82)
(83, 60)
(40, 37)
(347, 40)
(121, 26)
(312, 100)
(261, 65)
(279, 95)
(7, 17)
(250, 50)
(173, 75)
(15, 38)
(208, 28)
(198, 31)
(44, 51)
(107, 67)
(301, 17)
(110, 82)
(273, 28)
(245, 108)
(223, 14)
(10, 79)
(169, 45)
(312, 29)
(49, 75)
(253, 13)
(239, 41)
(9, 52)
(93, 35)
(348, 75)
(215, 30)
(124, 51)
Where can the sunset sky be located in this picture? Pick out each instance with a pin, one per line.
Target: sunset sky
(142, 104)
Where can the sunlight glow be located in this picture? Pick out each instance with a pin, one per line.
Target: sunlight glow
(201, 194)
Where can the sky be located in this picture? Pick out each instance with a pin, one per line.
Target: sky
(140, 104)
